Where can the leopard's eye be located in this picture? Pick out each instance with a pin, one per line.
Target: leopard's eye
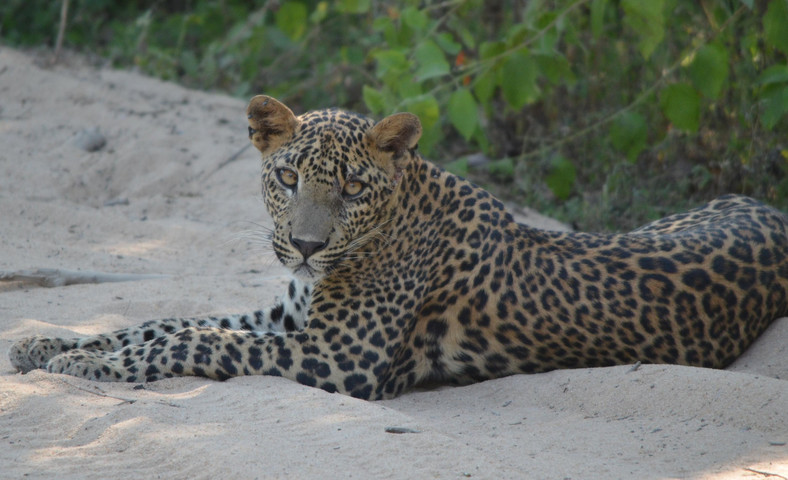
(353, 188)
(287, 177)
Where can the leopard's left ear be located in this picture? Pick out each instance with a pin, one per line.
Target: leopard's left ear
(396, 134)
(271, 123)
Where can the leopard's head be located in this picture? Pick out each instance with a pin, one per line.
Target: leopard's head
(331, 179)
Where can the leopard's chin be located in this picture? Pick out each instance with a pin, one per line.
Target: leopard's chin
(307, 273)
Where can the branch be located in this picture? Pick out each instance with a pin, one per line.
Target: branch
(56, 277)
(230, 159)
(765, 474)
(61, 30)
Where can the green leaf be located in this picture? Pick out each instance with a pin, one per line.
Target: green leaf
(775, 24)
(503, 168)
(517, 34)
(189, 63)
(562, 176)
(463, 113)
(774, 74)
(459, 25)
(598, 17)
(548, 41)
(382, 24)
(485, 82)
(458, 167)
(489, 50)
(426, 108)
(446, 41)
(645, 18)
(318, 14)
(373, 99)
(555, 67)
(354, 6)
(386, 26)
(291, 18)
(709, 70)
(534, 11)
(629, 134)
(518, 80)
(775, 105)
(681, 105)
(352, 54)
(415, 19)
(390, 61)
(431, 60)
(480, 139)
(484, 85)
(406, 88)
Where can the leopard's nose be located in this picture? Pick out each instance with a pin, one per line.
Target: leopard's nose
(307, 247)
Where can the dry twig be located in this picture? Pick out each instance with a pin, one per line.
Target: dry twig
(56, 277)
(61, 31)
(765, 474)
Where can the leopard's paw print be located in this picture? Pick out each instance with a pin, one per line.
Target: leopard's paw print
(34, 352)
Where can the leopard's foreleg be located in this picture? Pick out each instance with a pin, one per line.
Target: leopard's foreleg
(287, 314)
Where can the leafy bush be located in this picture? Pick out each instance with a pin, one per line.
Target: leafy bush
(607, 113)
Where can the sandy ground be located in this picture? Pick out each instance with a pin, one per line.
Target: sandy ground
(153, 200)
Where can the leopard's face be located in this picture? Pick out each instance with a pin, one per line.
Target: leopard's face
(325, 193)
(328, 186)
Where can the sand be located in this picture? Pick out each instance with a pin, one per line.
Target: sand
(160, 198)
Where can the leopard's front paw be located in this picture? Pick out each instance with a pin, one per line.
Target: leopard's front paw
(34, 352)
(91, 365)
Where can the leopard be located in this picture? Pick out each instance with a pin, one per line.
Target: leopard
(406, 275)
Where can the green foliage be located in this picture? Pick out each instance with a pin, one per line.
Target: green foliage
(518, 80)
(291, 19)
(681, 104)
(562, 176)
(431, 61)
(629, 134)
(608, 112)
(775, 22)
(463, 112)
(709, 70)
(503, 168)
(648, 20)
(354, 6)
(774, 94)
(458, 167)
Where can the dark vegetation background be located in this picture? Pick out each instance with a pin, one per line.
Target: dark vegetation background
(603, 113)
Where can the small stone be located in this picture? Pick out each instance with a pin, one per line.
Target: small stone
(89, 139)
(400, 430)
(116, 201)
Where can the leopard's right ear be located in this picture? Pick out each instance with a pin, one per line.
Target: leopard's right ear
(271, 123)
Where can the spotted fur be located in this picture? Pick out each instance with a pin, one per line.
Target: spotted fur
(409, 274)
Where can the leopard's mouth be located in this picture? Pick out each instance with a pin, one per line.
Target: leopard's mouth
(306, 272)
